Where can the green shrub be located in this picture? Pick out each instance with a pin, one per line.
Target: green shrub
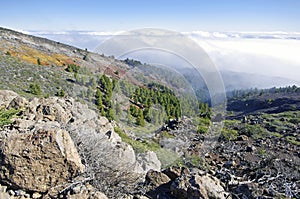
(255, 131)
(262, 152)
(165, 134)
(72, 68)
(60, 93)
(292, 140)
(139, 147)
(202, 129)
(7, 115)
(203, 125)
(229, 134)
(35, 89)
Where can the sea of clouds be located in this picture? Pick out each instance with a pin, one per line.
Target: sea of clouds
(272, 54)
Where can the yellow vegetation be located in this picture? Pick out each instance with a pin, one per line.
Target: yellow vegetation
(37, 57)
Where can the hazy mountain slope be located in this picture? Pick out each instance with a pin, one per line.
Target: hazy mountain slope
(237, 80)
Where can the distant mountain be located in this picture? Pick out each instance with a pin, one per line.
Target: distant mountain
(238, 80)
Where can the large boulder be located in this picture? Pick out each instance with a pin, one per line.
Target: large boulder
(198, 186)
(183, 183)
(156, 178)
(6, 97)
(206, 186)
(147, 161)
(38, 161)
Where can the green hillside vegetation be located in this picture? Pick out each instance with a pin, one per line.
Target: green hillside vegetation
(144, 97)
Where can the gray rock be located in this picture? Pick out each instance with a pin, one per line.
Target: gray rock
(36, 195)
(147, 161)
(4, 195)
(18, 103)
(198, 186)
(30, 158)
(210, 187)
(156, 178)
(11, 193)
(6, 97)
(3, 188)
(20, 193)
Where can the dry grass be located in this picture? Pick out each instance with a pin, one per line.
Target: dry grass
(32, 56)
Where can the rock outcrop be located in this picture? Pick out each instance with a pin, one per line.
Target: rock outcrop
(55, 147)
(181, 183)
(86, 191)
(54, 140)
(38, 161)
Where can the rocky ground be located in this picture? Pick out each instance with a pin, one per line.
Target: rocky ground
(59, 148)
(54, 144)
(256, 156)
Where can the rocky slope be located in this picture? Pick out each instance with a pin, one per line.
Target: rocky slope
(54, 142)
(57, 147)
(30, 49)
(264, 103)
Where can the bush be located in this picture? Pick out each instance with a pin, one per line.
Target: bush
(254, 131)
(229, 134)
(61, 93)
(202, 129)
(139, 147)
(7, 115)
(165, 134)
(35, 89)
(292, 140)
(72, 68)
(203, 125)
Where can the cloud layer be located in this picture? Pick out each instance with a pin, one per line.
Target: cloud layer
(265, 53)
(272, 53)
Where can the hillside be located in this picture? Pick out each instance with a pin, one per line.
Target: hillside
(30, 49)
(274, 100)
(124, 129)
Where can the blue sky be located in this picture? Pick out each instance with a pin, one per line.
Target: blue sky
(210, 15)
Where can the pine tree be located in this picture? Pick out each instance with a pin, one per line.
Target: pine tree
(110, 114)
(140, 118)
(99, 103)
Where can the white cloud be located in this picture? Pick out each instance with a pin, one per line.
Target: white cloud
(273, 57)
(269, 53)
(97, 33)
(219, 35)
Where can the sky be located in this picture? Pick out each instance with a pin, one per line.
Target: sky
(209, 15)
